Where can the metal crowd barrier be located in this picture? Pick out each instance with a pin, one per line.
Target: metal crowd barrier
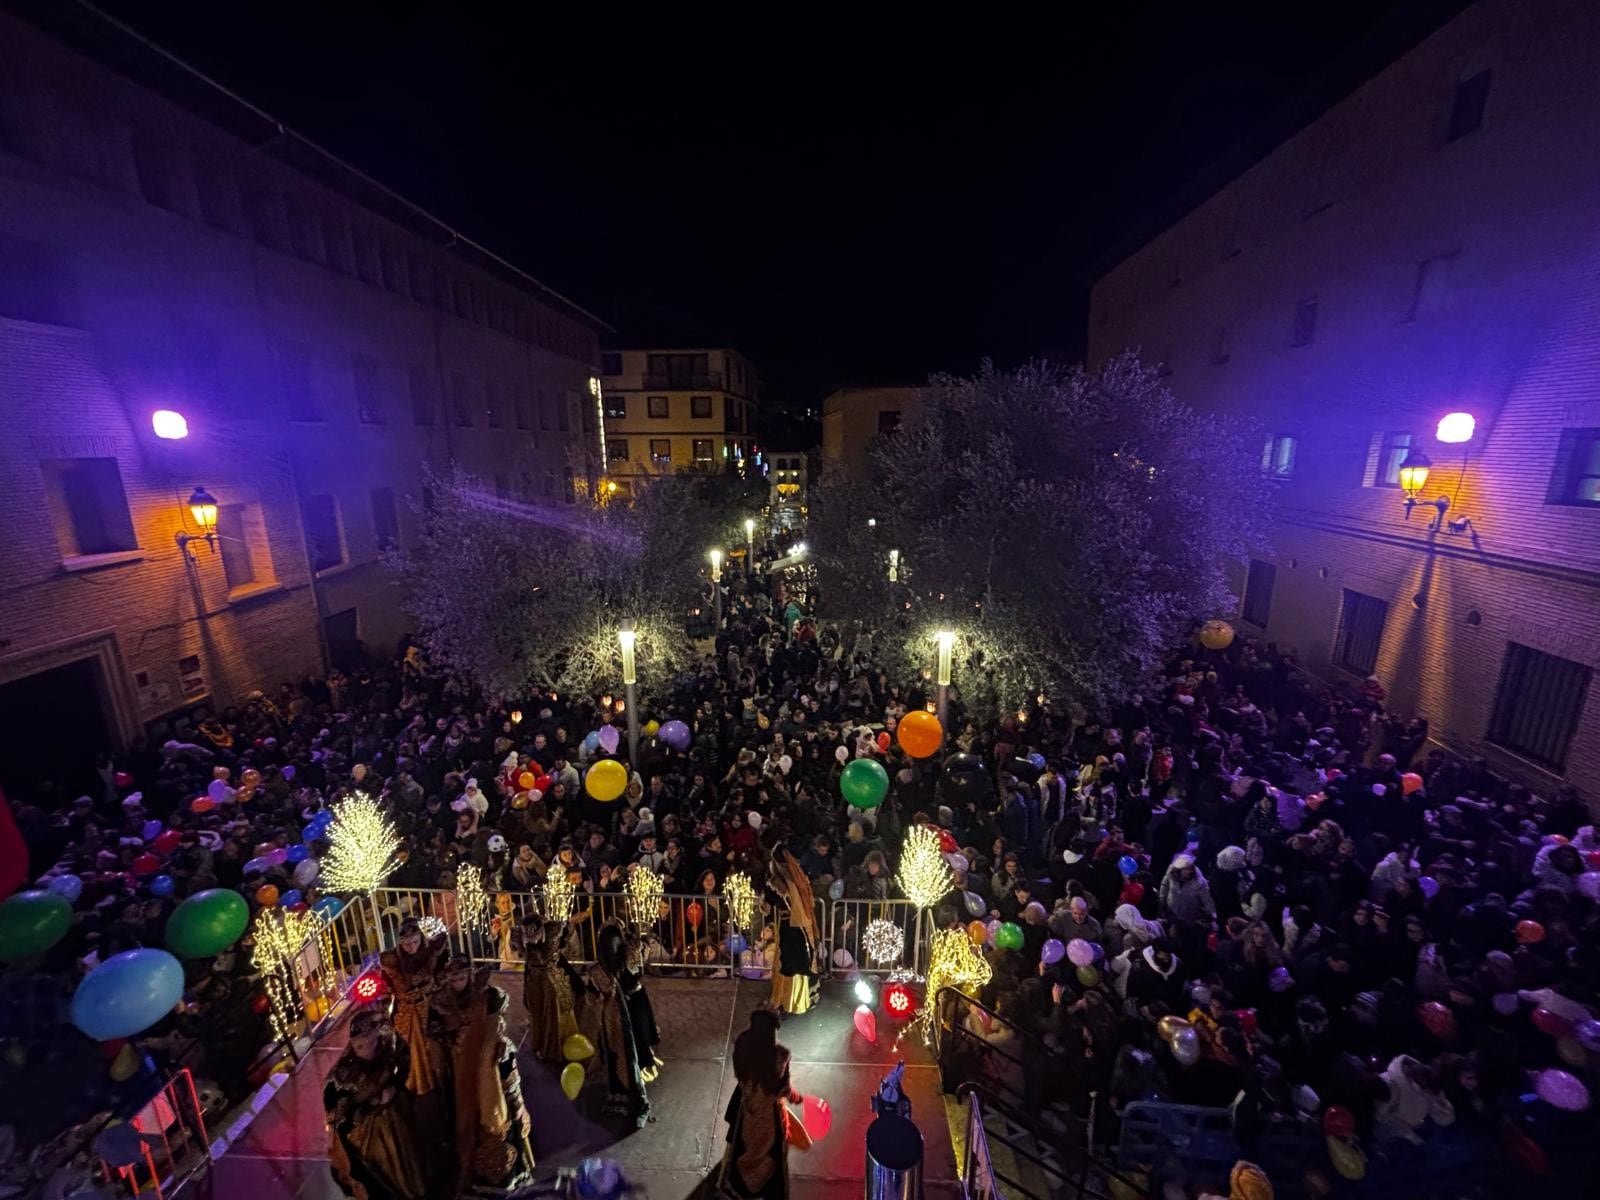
(846, 929)
(167, 1143)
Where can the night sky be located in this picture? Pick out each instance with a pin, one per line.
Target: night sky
(842, 206)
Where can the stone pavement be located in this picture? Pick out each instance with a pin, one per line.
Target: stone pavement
(284, 1153)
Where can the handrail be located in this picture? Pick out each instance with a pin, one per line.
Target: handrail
(945, 1034)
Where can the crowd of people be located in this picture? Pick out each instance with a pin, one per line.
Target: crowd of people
(1328, 916)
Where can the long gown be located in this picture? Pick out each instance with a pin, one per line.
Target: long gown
(547, 996)
(608, 1022)
(373, 1145)
(492, 1126)
(795, 910)
(411, 979)
(757, 1158)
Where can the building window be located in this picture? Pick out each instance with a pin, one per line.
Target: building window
(888, 421)
(369, 400)
(1466, 111)
(385, 519)
(1392, 451)
(300, 397)
(1576, 478)
(233, 543)
(1258, 592)
(1432, 291)
(35, 284)
(661, 451)
(1305, 323)
(461, 399)
(699, 406)
(1222, 345)
(1277, 456)
(495, 403)
(320, 516)
(1361, 621)
(704, 451)
(616, 407)
(617, 450)
(157, 169)
(658, 408)
(523, 406)
(611, 364)
(544, 411)
(1538, 704)
(423, 408)
(88, 506)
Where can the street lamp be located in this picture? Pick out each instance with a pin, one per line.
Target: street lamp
(947, 640)
(203, 508)
(626, 637)
(716, 589)
(749, 545)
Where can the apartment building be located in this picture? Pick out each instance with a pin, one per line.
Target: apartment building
(788, 487)
(853, 418)
(213, 333)
(676, 410)
(1405, 295)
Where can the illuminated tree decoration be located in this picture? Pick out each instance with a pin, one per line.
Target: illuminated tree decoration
(280, 936)
(742, 902)
(899, 1001)
(363, 847)
(557, 896)
(924, 876)
(955, 962)
(472, 902)
(883, 941)
(642, 901)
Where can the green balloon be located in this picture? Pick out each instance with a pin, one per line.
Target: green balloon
(32, 922)
(207, 923)
(1088, 976)
(1009, 936)
(864, 783)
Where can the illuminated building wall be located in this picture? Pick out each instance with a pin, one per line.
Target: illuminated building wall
(677, 410)
(853, 418)
(322, 343)
(1428, 245)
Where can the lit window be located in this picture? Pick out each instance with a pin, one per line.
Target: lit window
(1576, 478)
(661, 451)
(1277, 456)
(704, 451)
(1392, 451)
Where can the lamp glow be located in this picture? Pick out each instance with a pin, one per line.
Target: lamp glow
(716, 566)
(865, 993)
(1414, 473)
(626, 638)
(203, 507)
(1457, 427)
(740, 894)
(947, 641)
(169, 425)
(749, 527)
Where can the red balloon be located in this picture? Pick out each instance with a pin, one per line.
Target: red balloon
(816, 1116)
(1132, 892)
(146, 864)
(1338, 1122)
(1529, 932)
(1437, 1019)
(1552, 1023)
(1410, 782)
(1248, 1021)
(866, 1023)
(260, 1004)
(695, 913)
(883, 743)
(947, 842)
(122, 779)
(167, 842)
(1593, 858)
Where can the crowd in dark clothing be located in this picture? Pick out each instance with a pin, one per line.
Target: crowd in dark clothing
(1344, 916)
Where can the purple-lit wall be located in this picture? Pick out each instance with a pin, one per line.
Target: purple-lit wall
(1448, 274)
(149, 260)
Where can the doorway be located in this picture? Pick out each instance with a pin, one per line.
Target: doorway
(53, 728)
(344, 642)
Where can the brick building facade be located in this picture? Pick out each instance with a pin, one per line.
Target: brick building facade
(323, 340)
(1427, 246)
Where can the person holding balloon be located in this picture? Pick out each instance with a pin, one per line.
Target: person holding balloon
(547, 988)
(760, 1128)
(373, 1136)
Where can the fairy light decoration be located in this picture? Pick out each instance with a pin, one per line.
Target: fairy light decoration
(363, 847)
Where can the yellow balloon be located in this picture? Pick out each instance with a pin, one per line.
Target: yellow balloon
(1216, 635)
(651, 728)
(125, 1063)
(606, 780)
(1347, 1158)
(571, 1080)
(577, 1048)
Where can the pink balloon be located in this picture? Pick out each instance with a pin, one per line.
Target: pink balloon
(1562, 1089)
(816, 1116)
(1052, 952)
(279, 856)
(867, 1023)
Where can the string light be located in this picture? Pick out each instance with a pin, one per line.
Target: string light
(643, 900)
(557, 895)
(741, 898)
(472, 902)
(883, 941)
(279, 938)
(924, 876)
(432, 927)
(899, 1001)
(363, 847)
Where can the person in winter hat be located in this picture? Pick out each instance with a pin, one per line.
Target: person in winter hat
(1231, 883)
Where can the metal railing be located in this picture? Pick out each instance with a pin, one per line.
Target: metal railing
(1008, 1155)
(168, 1145)
(846, 929)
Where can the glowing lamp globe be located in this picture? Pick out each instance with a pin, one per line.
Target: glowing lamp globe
(169, 425)
(899, 1001)
(1455, 428)
(1414, 473)
(368, 988)
(203, 507)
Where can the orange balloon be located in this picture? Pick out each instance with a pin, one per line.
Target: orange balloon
(920, 733)
(526, 780)
(978, 933)
(266, 895)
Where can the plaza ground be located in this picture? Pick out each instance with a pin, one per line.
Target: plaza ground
(284, 1152)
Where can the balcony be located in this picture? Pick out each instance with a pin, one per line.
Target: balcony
(682, 381)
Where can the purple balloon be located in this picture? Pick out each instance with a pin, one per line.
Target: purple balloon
(288, 771)
(1588, 1034)
(675, 734)
(1280, 980)
(1052, 952)
(608, 738)
(1429, 886)
(151, 830)
(1080, 953)
(278, 856)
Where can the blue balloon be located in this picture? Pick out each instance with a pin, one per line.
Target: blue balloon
(70, 887)
(288, 772)
(1036, 760)
(1128, 865)
(298, 854)
(836, 890)
(313, 832)
(127, 994)
(675, 734)
(329, 906)
(591, 741)
(262, 864)
(161, 885)
(292, 897)
(736, 944)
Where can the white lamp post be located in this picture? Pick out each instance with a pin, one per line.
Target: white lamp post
(749, 545)
(947, 640)
(626, 638)
(716, 590)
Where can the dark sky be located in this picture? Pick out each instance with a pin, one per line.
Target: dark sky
(842, 206)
